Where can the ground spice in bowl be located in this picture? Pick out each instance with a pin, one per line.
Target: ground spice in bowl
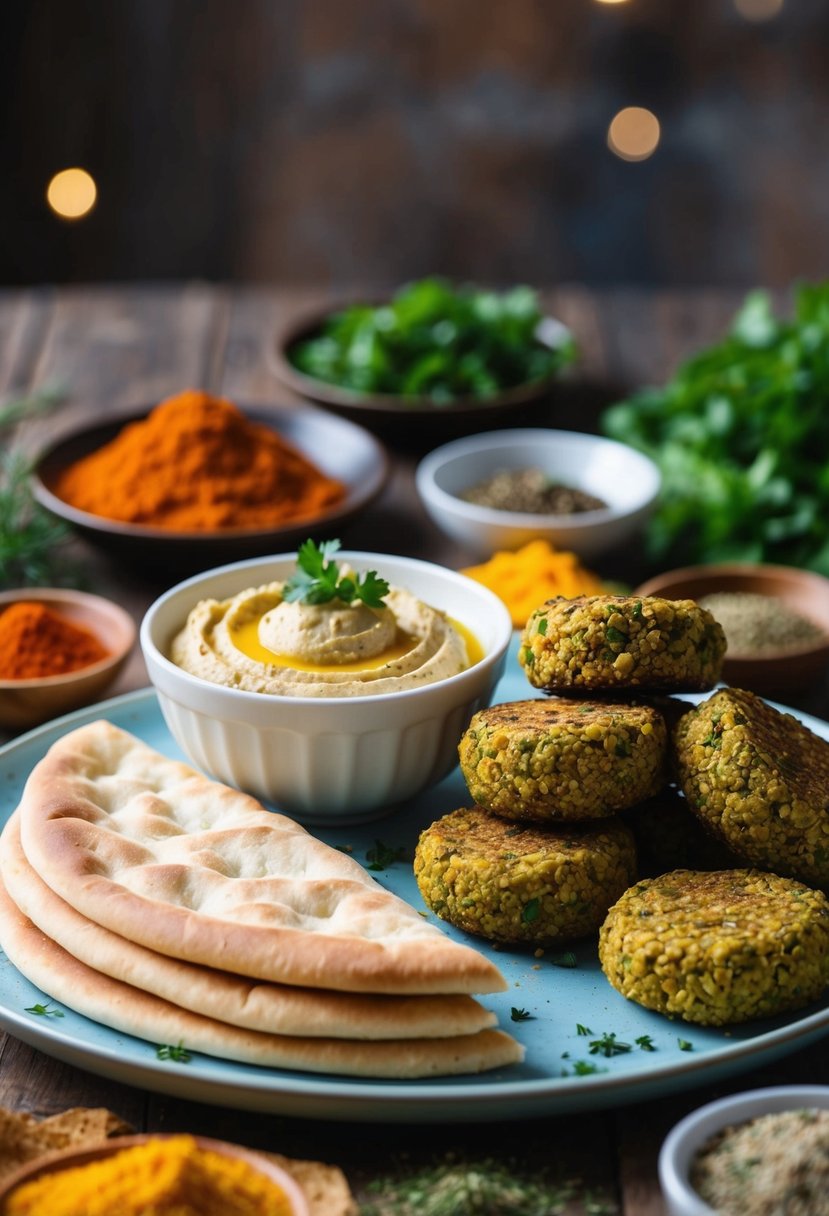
(196, 463)
(760, 624)
(36, 642)
(776, 1163)
(530, 492)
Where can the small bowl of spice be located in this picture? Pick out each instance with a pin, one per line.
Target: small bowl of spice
(752, 1154)
(502, 489)
(162, 1174)
(776, 620)
(59, 650)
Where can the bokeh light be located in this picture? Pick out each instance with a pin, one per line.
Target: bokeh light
(634, 133)
(612, 1)
(758, 10)
(72, 193)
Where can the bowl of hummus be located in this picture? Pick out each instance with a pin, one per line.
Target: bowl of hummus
(333, 685)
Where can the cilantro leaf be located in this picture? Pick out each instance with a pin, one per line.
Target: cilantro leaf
(317, 580)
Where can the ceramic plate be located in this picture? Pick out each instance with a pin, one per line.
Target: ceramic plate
(559, 998)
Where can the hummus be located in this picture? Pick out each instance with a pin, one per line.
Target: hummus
(259, 642)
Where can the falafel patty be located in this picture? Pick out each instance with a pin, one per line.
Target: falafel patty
(616, 641)
(759, 779)
(669, 836)
(511, 883)
(717, 948)
(563, 759)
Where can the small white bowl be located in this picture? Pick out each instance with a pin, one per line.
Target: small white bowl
(622, 477)
(685, 1140)
(327, 759)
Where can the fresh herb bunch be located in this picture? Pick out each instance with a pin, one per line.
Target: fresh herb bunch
(436, 341)
(318, 581)
(741, 434)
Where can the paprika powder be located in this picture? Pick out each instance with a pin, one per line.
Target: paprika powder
(196, 463)
(37, 642)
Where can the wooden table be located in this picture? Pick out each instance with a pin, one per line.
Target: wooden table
(112, 348)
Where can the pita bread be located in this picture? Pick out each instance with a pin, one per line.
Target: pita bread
(276, 1009)
(158, 853)
(131, 1011)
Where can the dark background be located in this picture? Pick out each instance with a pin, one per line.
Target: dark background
(371, 141)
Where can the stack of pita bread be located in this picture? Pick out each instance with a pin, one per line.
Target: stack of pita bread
(160, 903)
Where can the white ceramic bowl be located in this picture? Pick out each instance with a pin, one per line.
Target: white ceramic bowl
(691, 1133)
(622, 477)
(327, 759)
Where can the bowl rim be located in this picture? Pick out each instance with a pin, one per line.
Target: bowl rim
(503, 629)
(53, 1162)
(357, 495)
(433, 462)
(653, 586)
(99, 604)
(688, 1135)
(304, 323)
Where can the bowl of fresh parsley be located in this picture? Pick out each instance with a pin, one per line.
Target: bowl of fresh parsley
(429, 353)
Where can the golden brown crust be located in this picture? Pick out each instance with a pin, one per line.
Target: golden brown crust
(154, 851)
(272, 1008)
(131, 1011)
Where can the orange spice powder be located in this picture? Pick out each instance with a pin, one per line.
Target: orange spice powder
(196, 463)
(37, 642)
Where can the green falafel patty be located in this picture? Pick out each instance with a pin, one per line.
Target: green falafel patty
(716, 948)
(612, 642)
(669, 836)
(563, 759)
(532, 885)
(758, 779)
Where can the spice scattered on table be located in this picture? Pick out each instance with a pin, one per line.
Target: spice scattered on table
(37, 642)
(758, 624)
(196, 463)
(533, 574)
(775, 1163)
(530, 492)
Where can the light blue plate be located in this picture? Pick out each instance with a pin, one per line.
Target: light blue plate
(558, 999)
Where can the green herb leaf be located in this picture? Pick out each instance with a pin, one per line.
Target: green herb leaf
(520, 1015)
(608, 1045)
(382, 856)
(583, 1030)
(177, 1052)
(566, 959)
(645, 1042)
(685, 1045)
(530, 911)
(45, 1011)
(317, 579)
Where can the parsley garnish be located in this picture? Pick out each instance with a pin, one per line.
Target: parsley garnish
(317, 579)
(530, 911)
(383, 855)
(177, 1052)
(685, 1045)
(567, 959)
(646, 1042)
(582, 1068)
(608, 1045)
(520, 1015)
(583, 1030)
(45, 1011)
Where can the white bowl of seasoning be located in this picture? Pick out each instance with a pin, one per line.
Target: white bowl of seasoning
(328, 758)
(580, 492)
(714, 1149)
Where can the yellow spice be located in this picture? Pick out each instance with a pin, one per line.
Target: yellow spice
(533, 574)
(172, 1177)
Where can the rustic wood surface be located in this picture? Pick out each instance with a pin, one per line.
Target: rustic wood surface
(111, 348)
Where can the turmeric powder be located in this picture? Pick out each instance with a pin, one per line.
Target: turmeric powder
(533, 574)
(37, 642)
(171, 1176)
(196, 463)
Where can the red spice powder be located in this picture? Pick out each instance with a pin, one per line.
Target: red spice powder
(37, 642)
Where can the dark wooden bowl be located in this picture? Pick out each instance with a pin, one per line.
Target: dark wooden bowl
(338, 447)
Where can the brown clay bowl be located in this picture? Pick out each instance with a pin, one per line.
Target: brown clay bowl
(338, 447)
(52, 1163)
(784, 671)
(418, 421)
(25, 703)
